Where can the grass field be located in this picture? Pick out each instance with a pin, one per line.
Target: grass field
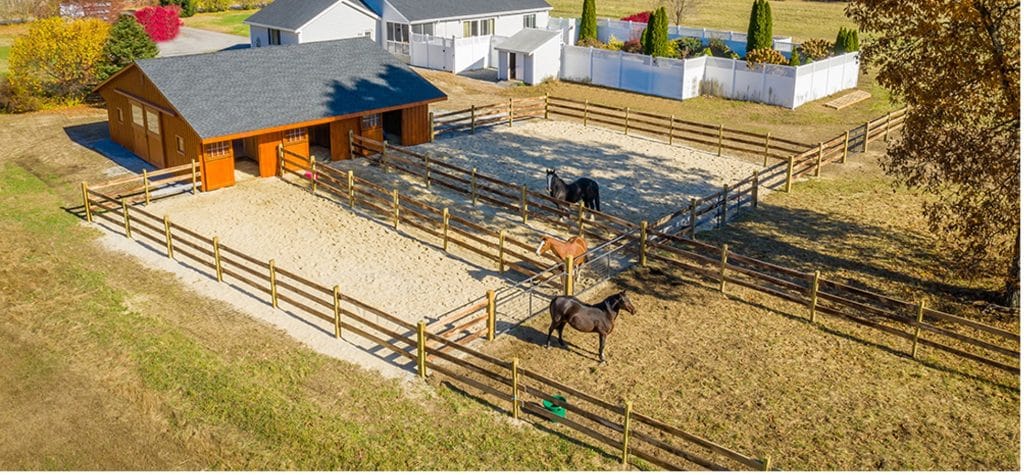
(108, 365)
(225, 22)
(7, 35)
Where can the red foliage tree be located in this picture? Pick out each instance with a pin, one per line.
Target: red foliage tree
(641, 17)
(161, 23)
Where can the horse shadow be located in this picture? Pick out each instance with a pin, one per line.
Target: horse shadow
(536, 337)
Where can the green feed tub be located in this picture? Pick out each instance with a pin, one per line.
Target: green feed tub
(554, 408)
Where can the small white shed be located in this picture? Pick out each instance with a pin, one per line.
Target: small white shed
(531, 56)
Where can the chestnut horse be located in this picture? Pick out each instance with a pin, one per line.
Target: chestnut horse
(575, 247)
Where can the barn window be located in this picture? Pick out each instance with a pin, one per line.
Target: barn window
(153, 122)
(371, 122)
(295, 135)
(530, 21)
(180, 142)
(120, 115)
(137, 116)
(219, 149)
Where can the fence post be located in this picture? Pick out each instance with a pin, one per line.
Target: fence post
(351, 190)
(421, 349)
(888, 119)
(472, 119)
(627, 122)
(671, 127)
(754, 189)
(767, 140)
(145, 184)
(579, 219)
(515, 388)
(545, 106)
(568, 284)
(586, 111)
(643, 243)
(280, 160)
(522, 203)
(490, 314)
(789, 175)
(194, 176)
(216, 259)
(725, 206)
(846, 146)
(627, 415)
(426, 170)
(767, 463)
(813, 305)
(394, 201)
(693, 218)
(721, 270)
(444, 228)
(312, 174)
(352, 142)
(867, 133)
(721, 137)
(167, 237)
(337, 311)
(821, 153)
(501, 251)
(127, 219)
(473, 186)
(510, 112)
(431, 116)
(273, 284)
(85, 201)
(384, 155)
(917, 329)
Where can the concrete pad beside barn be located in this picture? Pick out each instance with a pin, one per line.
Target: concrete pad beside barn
(195, 41)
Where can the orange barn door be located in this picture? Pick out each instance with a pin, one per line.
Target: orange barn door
(154, 138)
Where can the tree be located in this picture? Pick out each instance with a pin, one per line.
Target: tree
(846, 41)
(127, 42)
(759, 31)
(588, 23)
(655, 36)
(681, 8)
(957, 65)
(188, 7)
(57, 60)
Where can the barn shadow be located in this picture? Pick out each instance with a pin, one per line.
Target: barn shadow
(96, 136)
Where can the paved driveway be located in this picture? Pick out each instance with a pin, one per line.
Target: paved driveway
(193, 40)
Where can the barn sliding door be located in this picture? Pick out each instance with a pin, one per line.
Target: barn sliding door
(140, 142)
(154, 137)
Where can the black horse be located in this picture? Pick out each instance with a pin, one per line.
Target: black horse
(582, 189)
(598, 318)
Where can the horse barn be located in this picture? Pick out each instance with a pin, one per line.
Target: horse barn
(230, 110)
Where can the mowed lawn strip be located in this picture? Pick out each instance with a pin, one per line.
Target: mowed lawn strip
(229, 21)
(109, 365)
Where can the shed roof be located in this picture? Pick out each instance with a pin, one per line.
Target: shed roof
(230, 92)
(528, 40)
(294, 14)
(419, 10)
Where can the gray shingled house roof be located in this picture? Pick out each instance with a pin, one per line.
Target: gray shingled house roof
(293, 14)
(236, 91)
(418, 10)
(528, 40)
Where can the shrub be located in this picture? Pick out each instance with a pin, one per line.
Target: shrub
(815, 50)
(759, 31)
(213, 5)
(689, 46)
(590, 42)
(588, 22)
(794, 58)
(639, 17)
(56, 61)
(188, 7)
(127, 42)
(764, 56)
(720, 49)
(614, 44)
(633, 46)
(846, 41)
(655, 38)
(161, 23)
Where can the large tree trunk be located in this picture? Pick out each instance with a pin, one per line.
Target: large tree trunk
(1012, 294)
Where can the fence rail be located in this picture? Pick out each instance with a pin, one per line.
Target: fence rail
(636, 437)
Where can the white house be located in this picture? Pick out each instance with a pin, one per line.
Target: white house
(287, 22)
(532, 55)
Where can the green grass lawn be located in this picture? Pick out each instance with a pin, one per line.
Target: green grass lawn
(225, 22)
(5, 51)
(800, 19)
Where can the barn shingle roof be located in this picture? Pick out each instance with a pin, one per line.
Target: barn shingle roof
(419, 10)
(236, 91)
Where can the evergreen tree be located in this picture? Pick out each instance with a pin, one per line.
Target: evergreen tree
(759, 30)
(657, 37)
(847, 41)
(588, 23)
(127, 42)
(188, 7)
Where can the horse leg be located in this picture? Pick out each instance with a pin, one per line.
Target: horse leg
(551, 330)
(561, 340)
(600, 350)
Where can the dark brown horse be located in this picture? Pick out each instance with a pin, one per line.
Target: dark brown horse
(583, 317)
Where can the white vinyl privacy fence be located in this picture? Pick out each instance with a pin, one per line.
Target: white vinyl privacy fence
(626, 30)
(454, 54)
(785, 86)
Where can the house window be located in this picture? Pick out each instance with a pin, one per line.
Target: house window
(273, 37)
(530, 21)
(180, 142)
(153, 122)
(295, 135)
(371, 122)
(120, 115)
(218, 150)
(398, 32)
(423, 29)
(478, 28)
(137, 116)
